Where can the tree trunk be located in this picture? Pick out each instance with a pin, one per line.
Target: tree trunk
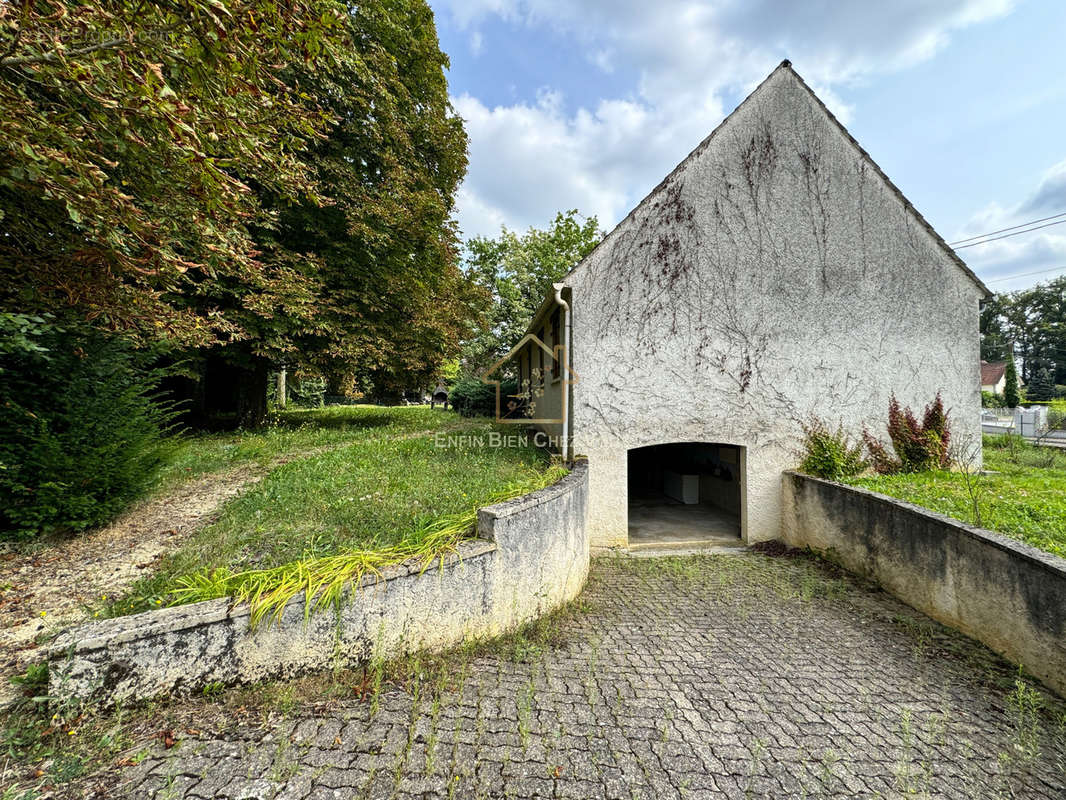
(252, 394)
(281, 388)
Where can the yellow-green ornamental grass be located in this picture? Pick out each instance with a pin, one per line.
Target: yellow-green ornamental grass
(376, 489)
(325, 580)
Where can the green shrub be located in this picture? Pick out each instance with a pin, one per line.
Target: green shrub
(992, 400)
(308, 391)
(1011, 394)
(80, 433)
(830, 454)
(1056, 415)
(472, 397)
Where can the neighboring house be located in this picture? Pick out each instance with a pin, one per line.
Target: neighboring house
(993, 376)
(774, 276)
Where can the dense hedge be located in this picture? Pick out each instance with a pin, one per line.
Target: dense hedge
(472, 397)
(80, 433)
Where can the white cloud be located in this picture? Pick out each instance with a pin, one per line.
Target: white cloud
(477, 42)
(604, 59)
(1027, 253)
(528, 161)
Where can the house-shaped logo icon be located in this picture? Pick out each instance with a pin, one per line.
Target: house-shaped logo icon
(521, 408)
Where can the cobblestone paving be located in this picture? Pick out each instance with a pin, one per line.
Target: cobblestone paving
(724, 676)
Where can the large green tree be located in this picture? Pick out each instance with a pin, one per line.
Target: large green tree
(263, 182)
(1034, 321)
(995, 337)
(394, 302)
(517, 271)
(136, 138)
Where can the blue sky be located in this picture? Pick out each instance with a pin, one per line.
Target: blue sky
(589, 104)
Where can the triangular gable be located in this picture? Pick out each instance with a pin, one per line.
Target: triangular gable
(787, 66)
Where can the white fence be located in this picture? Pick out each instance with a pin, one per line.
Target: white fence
(1022, 421)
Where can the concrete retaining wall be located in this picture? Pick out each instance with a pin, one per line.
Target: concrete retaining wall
(531, 556)
(1002, 592)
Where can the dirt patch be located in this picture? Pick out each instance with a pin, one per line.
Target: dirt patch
(52, 586)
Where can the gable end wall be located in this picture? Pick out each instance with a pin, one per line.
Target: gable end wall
(773, 277)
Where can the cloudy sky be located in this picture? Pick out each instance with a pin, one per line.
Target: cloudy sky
(587, 104)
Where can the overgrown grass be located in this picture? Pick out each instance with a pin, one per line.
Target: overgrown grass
(324, 580)
(290, 433)
(383, 492)
(55, 747)
(1023, 494)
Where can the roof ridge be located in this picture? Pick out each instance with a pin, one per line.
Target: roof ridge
(786, 64)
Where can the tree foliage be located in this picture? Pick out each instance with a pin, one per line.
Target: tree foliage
(269, 183)
(392, 303)
(1041, 388)
(518, 271)
(1010, 385)
(137, 140)
(1034, 320)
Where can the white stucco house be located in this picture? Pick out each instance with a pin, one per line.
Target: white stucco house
(775, 275)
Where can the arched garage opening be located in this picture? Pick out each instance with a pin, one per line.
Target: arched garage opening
(686, 493)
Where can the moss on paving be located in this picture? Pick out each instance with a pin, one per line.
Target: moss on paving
(407, 713)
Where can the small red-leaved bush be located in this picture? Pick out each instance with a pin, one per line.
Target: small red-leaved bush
(918, 445)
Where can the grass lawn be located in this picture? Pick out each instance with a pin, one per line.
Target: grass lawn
(1025, 498)
(374, 481)
(290, 433)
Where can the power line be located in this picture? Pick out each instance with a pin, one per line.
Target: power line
(1008, 235)
(1026, 274)
(1004, 230)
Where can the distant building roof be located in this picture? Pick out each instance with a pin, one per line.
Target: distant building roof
(991, 373)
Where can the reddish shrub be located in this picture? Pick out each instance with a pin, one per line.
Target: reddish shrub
(918, 445)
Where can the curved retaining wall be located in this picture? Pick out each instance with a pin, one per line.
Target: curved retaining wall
(530, 556)
(1000, 591)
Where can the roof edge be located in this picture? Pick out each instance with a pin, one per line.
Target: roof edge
(786, 64)
(542, 312)
(988, 293)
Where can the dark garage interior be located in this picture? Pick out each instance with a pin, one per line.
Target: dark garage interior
(685, 493)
